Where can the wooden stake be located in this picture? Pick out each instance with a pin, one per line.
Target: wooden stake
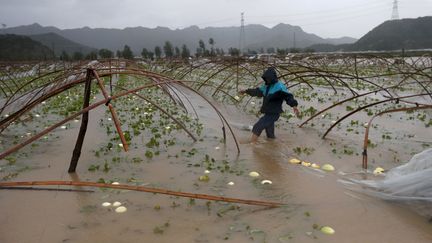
(83, 129)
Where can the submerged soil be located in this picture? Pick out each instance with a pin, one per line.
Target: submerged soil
(313, 198)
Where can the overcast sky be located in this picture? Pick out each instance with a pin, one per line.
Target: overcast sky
(326, 18)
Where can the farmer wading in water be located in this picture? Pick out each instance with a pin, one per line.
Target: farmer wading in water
(273, 93)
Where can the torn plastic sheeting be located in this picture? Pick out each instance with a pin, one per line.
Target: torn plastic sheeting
(410, 183)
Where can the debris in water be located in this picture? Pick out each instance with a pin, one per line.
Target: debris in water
(115, 183)
(217, 148)
(237, 97)
(117, 204)
(264, 182)
(206, 172)
(231, 183)
(295, 161)
(204, 178)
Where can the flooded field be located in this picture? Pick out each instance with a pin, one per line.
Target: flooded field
(162, 155)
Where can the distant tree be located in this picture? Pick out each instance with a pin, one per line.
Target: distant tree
(198, 52)
(127, 52)
(91, 56)
(294, 50)
(168, 49)
(185, 53)
(218, 52)
(261, 50)
(77, 56)
(251, 52)
(212, 43)
(177, 52)
(234, 51)
(157, 52)
(151, 55)
(270, 50)
(309, 50)
(105, 53)
(281, 52)
(145, 53)
(119, 54)
(201, 45)
(64, 56)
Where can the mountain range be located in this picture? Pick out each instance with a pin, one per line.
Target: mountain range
(257, 36)
(390, 35)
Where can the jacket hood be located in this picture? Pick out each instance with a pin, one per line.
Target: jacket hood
(269, 76)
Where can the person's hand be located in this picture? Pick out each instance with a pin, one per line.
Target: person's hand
(296, 112)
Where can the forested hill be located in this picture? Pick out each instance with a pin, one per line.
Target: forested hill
(22, 48)
(397, 35)
(60, 44)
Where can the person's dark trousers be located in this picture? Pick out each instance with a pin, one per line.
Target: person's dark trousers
(266, 122)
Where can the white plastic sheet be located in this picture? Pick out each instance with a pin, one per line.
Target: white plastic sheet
(410, 184)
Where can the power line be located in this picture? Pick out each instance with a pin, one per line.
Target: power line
(395, 12)
(242, 41)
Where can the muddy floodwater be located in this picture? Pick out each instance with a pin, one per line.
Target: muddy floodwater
(314, 198)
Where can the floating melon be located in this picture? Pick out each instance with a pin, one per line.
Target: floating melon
(327, 230)
(378, 171)
(106, 204)
(254, 174)
(116, 204)
(307, 164)
(121, 209)
(315, 166)
(328, 167)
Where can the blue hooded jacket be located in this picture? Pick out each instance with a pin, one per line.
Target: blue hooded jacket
(273, 93)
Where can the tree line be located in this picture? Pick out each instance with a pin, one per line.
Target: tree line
(36, 51)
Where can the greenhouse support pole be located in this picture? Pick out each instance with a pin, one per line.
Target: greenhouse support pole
(83, 129)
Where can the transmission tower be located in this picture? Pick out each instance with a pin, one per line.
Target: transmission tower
(395, 12)
(242, 41)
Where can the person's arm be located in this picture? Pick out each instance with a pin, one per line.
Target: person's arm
(252, 92)
(293, 103)
(289, 99)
